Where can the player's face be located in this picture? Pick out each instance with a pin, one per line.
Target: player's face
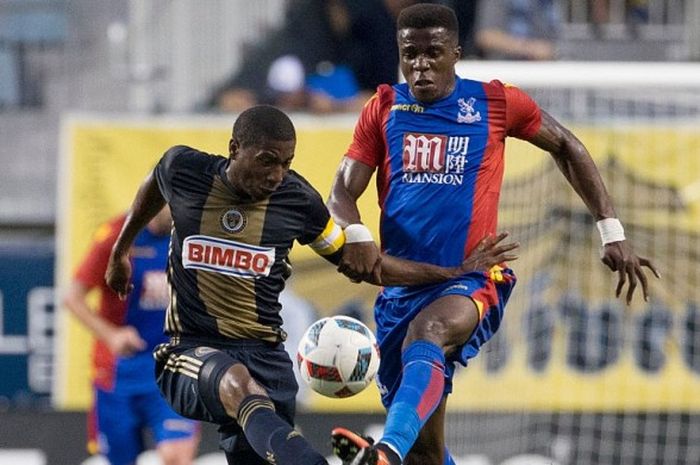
(258, 170)
(428, 58)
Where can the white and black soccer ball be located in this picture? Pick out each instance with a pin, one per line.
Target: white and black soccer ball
(338, 356)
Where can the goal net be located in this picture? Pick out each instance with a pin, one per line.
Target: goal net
(574, 375)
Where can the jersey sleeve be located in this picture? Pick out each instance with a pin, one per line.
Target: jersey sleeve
(166, 168)
(317, 216)
(367, 144)
(523, 115)
(91, 271)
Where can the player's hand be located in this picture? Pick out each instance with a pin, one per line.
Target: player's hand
(125, 341)
(618, 256)
(489, 252)
(118, 275)
(361, 261)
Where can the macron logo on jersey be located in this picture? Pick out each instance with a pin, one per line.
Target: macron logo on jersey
(434, 159)
(227, 257)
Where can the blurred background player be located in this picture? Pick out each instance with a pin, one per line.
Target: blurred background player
(127, 402)
(438, 143)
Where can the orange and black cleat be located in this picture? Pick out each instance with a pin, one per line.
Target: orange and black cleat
(354, 449)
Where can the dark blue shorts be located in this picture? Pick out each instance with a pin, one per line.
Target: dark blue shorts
(188, 373)
(490, 292)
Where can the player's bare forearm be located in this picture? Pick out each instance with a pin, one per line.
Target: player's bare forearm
(489, 252)
(400, 272)
(578, 167)
(349, 183)
(146, 205)
(574, 161)
(75, 301)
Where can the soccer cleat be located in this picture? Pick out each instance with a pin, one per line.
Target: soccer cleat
(352, 448)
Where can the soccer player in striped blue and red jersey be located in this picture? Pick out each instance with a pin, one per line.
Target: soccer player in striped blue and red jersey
(437, 145)
(127, 400)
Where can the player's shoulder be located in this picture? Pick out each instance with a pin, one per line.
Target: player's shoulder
(179, 155)
(296, 181)
(503, 87)
(295, 185)
(186, 152)
(384, 95)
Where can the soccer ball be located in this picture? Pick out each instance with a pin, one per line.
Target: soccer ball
(338, 356)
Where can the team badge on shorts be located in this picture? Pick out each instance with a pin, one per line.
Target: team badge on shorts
(234, 220)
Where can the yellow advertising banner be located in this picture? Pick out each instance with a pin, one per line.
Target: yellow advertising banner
(566, 342)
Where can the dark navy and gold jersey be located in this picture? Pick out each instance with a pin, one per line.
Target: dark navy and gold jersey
(228, 257)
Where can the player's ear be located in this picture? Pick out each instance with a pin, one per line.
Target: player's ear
(233, 147)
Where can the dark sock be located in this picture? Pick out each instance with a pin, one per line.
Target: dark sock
(272, 438)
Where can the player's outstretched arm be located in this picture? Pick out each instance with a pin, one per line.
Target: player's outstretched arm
(361, 260)
(147, 203)
(121, 340)
(574, 161)
(489, 252)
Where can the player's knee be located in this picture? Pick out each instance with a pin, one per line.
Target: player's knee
(224, 383)
(427, 329)
(178, 452)
(237, 378)
(235, 385)
(448, 323)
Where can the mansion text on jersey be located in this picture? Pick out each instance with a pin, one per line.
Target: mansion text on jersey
(434, 158)
(433, 178)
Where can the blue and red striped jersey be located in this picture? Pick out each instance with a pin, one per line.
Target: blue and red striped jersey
(440, 165)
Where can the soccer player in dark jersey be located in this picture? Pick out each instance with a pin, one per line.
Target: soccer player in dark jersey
(437, 144)
(235, 220)
(126, 397)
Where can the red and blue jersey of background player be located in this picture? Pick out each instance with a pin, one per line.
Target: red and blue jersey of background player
(440, 165)
(144, 309)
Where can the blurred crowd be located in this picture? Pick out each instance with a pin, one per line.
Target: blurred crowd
(330, 55)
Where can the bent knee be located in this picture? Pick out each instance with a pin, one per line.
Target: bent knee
(178, 452)
(427, 329)
(235, 385)
(447, 322)
(238, 378)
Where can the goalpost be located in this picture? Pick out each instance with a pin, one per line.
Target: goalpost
(574, 374)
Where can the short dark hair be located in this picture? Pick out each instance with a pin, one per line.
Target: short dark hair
(425, 15)
(262, 123)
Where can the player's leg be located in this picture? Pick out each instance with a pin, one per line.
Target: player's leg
(176, 437)
(119, 429)
(429, 446)
(177, 451)
(439, 328)
(416, 387)
(211, 385)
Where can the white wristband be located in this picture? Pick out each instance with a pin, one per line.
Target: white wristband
(357, 233)
(611, 230)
